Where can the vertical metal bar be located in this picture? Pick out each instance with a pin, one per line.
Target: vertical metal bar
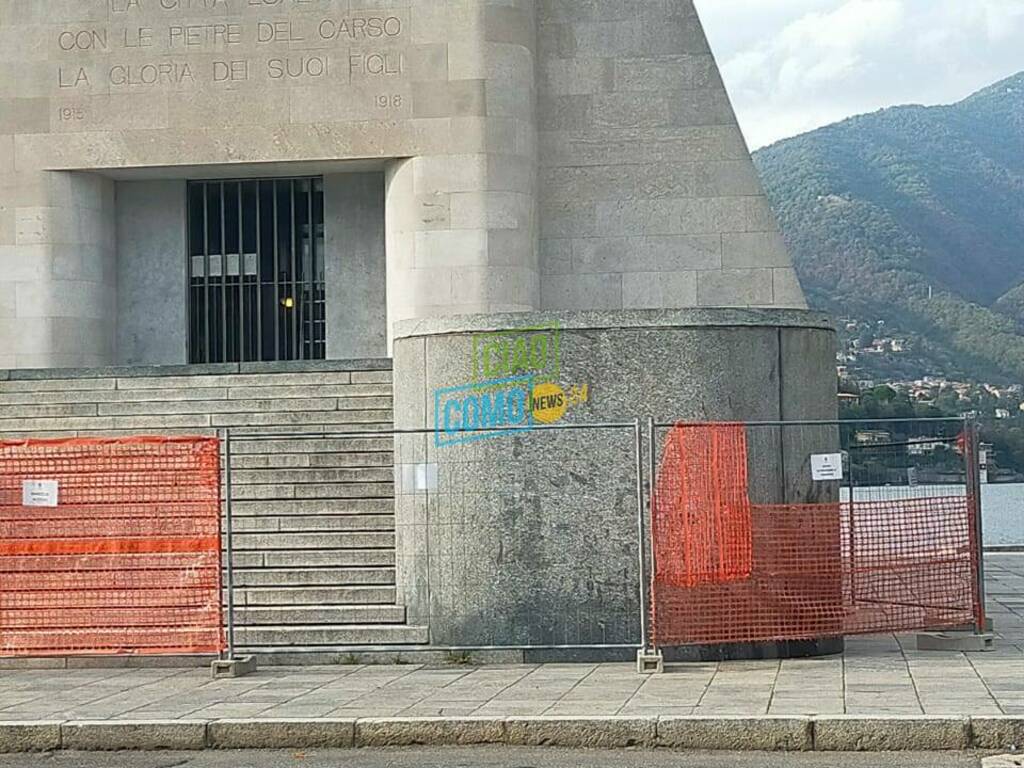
(229, 546)
(206, 272)
(652, 448)
(277, 276)
(190, 301)
(972, 439)
(259, 274)
(852, 519)
(293, 350)
(223, 281)
(309, 315)
(241, 278)
(640, 544)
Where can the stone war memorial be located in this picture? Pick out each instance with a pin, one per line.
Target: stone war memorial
(462, 218)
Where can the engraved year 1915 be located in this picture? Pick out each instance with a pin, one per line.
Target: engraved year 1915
(70, 114)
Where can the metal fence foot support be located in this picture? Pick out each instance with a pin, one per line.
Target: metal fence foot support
(239, 666)
(649, 662)
(956, 641)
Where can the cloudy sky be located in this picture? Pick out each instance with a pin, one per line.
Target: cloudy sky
(794, 65)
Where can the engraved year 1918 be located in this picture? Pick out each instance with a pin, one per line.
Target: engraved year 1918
(385, 101)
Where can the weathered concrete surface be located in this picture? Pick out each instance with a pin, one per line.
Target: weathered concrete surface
(116, 735)
(768, 734)
(796, 734)
(589, 732)
(37, 736)
(1005, 732)
(533, 535)
(886, 734)
(281, 733)
(403, 732)
(498, 757)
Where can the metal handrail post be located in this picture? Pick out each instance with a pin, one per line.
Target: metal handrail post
(229, 546)
(972, 436)
(651, 475)
(641, 546)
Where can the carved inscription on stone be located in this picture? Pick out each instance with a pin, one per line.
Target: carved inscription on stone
(181, 44)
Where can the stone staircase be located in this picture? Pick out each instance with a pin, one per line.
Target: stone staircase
(314, 522)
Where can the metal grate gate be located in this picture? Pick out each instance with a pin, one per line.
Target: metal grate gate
(256, 270)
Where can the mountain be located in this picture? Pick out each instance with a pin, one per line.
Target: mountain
(915, 216)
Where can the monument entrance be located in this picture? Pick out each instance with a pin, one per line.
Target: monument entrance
(256, 270)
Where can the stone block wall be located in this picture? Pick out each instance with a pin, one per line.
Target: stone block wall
(647, 192)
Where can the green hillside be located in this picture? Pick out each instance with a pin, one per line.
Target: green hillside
(915, 216)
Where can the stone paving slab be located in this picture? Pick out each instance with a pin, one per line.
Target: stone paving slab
(876, 677)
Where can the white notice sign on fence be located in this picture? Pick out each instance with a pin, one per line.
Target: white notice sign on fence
(39, 493)
(827, 466)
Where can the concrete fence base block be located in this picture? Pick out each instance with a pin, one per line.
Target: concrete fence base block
(997, 732)
(236, 667)
(582, 732)
(282, 734)
(764, 734)
(140, 735)
(965, 642)
(649, 662)
(891, 734)
(431, 731)
(35, 736)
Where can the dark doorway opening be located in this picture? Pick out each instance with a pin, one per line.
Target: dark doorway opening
(256, 270)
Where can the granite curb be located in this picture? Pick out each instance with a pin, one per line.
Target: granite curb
(841, 733)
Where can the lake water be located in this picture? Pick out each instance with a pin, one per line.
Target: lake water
(1002, 507)
(1002, 512)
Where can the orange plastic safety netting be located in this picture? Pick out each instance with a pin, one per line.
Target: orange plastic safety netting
(110, 546)
(729, 571)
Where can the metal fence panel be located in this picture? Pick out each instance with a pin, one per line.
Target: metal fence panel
(775, 532)
(110, 546)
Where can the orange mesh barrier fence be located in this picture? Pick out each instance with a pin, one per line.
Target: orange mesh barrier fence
(729, 571)
(110, 546)
(706, 523)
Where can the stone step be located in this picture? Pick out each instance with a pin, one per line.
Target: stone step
(238, 406)
(266, 542)
(330, 558)
(314, 577)
(382, 389)
(290, 596)
(315, 558)
(312, 523)
(330, 615)
(340, 421)
(356, 506)
(308, 379)
(313, 491)
(384, 458)
(381, 474)
(381, 634)
(315, 445)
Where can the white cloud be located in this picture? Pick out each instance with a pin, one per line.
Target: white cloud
(794, 65)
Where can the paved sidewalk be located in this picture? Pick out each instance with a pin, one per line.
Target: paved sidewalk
(876, 676)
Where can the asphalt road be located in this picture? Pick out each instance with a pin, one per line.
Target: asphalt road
(487, 757)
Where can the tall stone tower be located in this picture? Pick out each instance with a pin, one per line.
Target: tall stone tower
(659, 265)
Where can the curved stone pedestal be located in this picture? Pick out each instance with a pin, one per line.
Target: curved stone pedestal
(529, 538)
